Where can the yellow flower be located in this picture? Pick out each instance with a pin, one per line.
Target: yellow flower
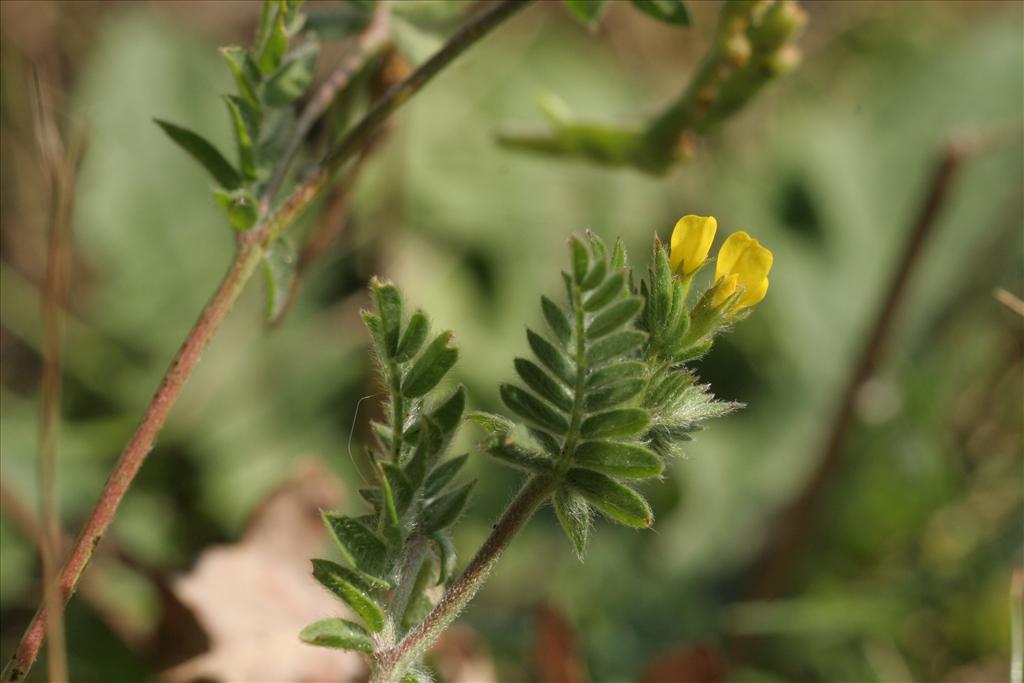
(691, 241)
(742, 263)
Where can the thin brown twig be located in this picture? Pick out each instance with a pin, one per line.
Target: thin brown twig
(60, 167)
(252, 246)
(794, 526)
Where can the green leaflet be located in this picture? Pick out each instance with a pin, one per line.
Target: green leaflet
(432, 365)
(618, 423)
(613, 394)
(514, 455)
(348, 586)
(553, 359)
(615, 316)
(493, 424)
(557, 320)
(587, 11)
(441, 475)
(337, 633)
(388, 301)
(606, 293)
(293, 77)
(532, 409)
(618, 502)
(669, 11)
(543, 384)
(615, 373)
(618, 459)
(445, 509)
(413, 337)
(445, 555)
(363, 548)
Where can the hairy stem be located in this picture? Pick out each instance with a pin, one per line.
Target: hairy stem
(391, 665)
(252, 245)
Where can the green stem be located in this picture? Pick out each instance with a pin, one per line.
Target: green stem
(391, 665)
(252, 246)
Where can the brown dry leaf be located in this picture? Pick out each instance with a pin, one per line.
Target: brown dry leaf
(689, 664)
(557, 659)
(253, 597)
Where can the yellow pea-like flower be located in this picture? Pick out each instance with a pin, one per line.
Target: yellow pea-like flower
(691, 242)
(742, 262)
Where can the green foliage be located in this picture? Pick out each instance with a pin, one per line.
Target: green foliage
(393, 554)
(668, 11)
(337, 633)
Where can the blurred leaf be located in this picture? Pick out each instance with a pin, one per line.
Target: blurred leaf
(388, 301)
(400, 486)
(246, 124)
(338, 22)
(272, 40)
(493, 424)
(445, 556)
(668, 11)
(293, 77)
(587, 11)
(619, 423)
(419, 604)
(205, 153)
(337, 633)
(247, 75)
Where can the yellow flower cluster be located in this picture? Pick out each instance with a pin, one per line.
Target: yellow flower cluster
(742, 265)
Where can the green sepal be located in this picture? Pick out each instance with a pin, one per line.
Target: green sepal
(413, 337)
(557, 320)
(618, 502)
(542, 383)
(532, 409)
(359, 545)
(606, 293)
(241, 207)
(384, 435)
(432, 365)
(619, 255)
(203, 151)
(613, 394)
(339, 634)
(573, 514)
(619, 314)
(553, 359)
(618, 459)
(446, 557)
(441, 475)
(618, 423)
(615, 345)
(347, 585)
(445, 509)
(293, 77)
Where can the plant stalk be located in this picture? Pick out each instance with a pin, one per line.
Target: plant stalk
(252, 245)
(392, 665)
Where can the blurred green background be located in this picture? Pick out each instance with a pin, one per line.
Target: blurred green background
(906, 572)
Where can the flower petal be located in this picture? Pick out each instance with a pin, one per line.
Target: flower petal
(752, 294)
(691, 242)
(730, 253)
